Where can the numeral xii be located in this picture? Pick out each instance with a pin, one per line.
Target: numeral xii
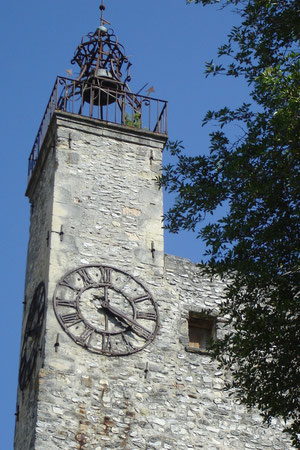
(105, 275)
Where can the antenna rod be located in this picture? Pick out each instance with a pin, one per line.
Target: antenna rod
(102, 9)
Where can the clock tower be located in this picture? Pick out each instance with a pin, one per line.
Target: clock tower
(114, 351)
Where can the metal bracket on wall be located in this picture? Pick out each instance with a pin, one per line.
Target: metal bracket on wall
(146, 370)
(61, 233)
(56, 345)
(17, 413)
(152, 249)
(151, 157)
(70, 140)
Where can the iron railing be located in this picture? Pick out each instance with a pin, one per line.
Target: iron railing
(101, 99)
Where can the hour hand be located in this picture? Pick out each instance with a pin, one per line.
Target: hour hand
(115, 311)
(135, 326)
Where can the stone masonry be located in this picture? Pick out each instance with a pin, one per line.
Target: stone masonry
(99, 183)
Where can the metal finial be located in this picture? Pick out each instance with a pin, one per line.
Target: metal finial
(102, 9)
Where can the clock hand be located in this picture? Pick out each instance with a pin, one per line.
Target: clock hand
(135, 326)
(103, 298)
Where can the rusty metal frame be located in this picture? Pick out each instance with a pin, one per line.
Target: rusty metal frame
(129, 109)
(101, 50)
(101, 90)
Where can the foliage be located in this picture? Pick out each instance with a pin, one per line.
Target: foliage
(133, 120)
(256, 176)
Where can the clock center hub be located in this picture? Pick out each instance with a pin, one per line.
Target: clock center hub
(96, 305)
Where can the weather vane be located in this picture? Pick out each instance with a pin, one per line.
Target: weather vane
(102, 9)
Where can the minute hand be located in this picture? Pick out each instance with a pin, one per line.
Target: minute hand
(135, 326)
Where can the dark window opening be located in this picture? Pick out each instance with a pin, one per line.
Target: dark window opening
(202, 331)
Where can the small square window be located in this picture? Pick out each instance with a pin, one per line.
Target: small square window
(202, 331)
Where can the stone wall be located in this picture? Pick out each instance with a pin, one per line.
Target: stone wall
(106, 197)
(40, 193)
(215, 420)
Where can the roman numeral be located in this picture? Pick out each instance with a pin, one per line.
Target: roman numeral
(86, 336)
(106, 343)
(146, 315)
(105, 275)
(70, 319)
(141, 331)
(128, 344)
(85, 276)
(64, 302)
(68, 285)
(142, 298)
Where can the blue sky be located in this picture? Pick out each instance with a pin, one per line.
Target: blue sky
(168, 43)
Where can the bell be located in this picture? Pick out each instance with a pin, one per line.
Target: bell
(102, 29)
(103, 73)
(101, 89)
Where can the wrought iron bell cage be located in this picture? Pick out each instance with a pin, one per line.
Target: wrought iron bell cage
(101, 89)
(101, 59)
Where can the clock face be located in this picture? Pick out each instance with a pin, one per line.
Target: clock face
(32, 335)
(106, 310)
